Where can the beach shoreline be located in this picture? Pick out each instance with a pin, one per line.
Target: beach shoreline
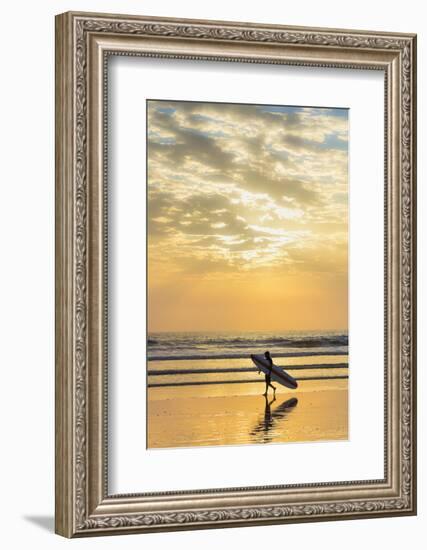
(179, 417)
(203, 389)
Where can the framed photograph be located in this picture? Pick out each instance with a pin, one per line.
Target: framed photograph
(235, 274)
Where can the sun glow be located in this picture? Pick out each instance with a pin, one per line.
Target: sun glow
(247, 211)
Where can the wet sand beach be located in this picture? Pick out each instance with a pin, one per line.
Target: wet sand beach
(203, 389)
(239, 414)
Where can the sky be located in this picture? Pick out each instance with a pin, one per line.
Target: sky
(247, 217)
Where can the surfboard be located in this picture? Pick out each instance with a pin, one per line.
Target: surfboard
(277, 374)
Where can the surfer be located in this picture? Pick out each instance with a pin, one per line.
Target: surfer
(268, 376)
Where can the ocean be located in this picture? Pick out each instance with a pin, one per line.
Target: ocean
(205, 358)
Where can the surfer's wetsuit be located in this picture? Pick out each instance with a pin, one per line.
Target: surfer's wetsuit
(270, 363)
(268, 376)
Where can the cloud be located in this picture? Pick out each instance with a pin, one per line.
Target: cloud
(241, 187)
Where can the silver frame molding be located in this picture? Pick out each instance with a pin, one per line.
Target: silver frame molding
(84, 42)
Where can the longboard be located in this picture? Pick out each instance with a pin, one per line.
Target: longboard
(277, 374)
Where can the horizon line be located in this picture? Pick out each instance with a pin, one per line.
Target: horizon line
(249, 331)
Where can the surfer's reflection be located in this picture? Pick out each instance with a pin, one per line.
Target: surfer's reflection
(263, 432)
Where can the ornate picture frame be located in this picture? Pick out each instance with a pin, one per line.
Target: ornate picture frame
(84, 42)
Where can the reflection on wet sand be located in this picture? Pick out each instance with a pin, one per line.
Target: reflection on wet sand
(231, 415)
(264, 430)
